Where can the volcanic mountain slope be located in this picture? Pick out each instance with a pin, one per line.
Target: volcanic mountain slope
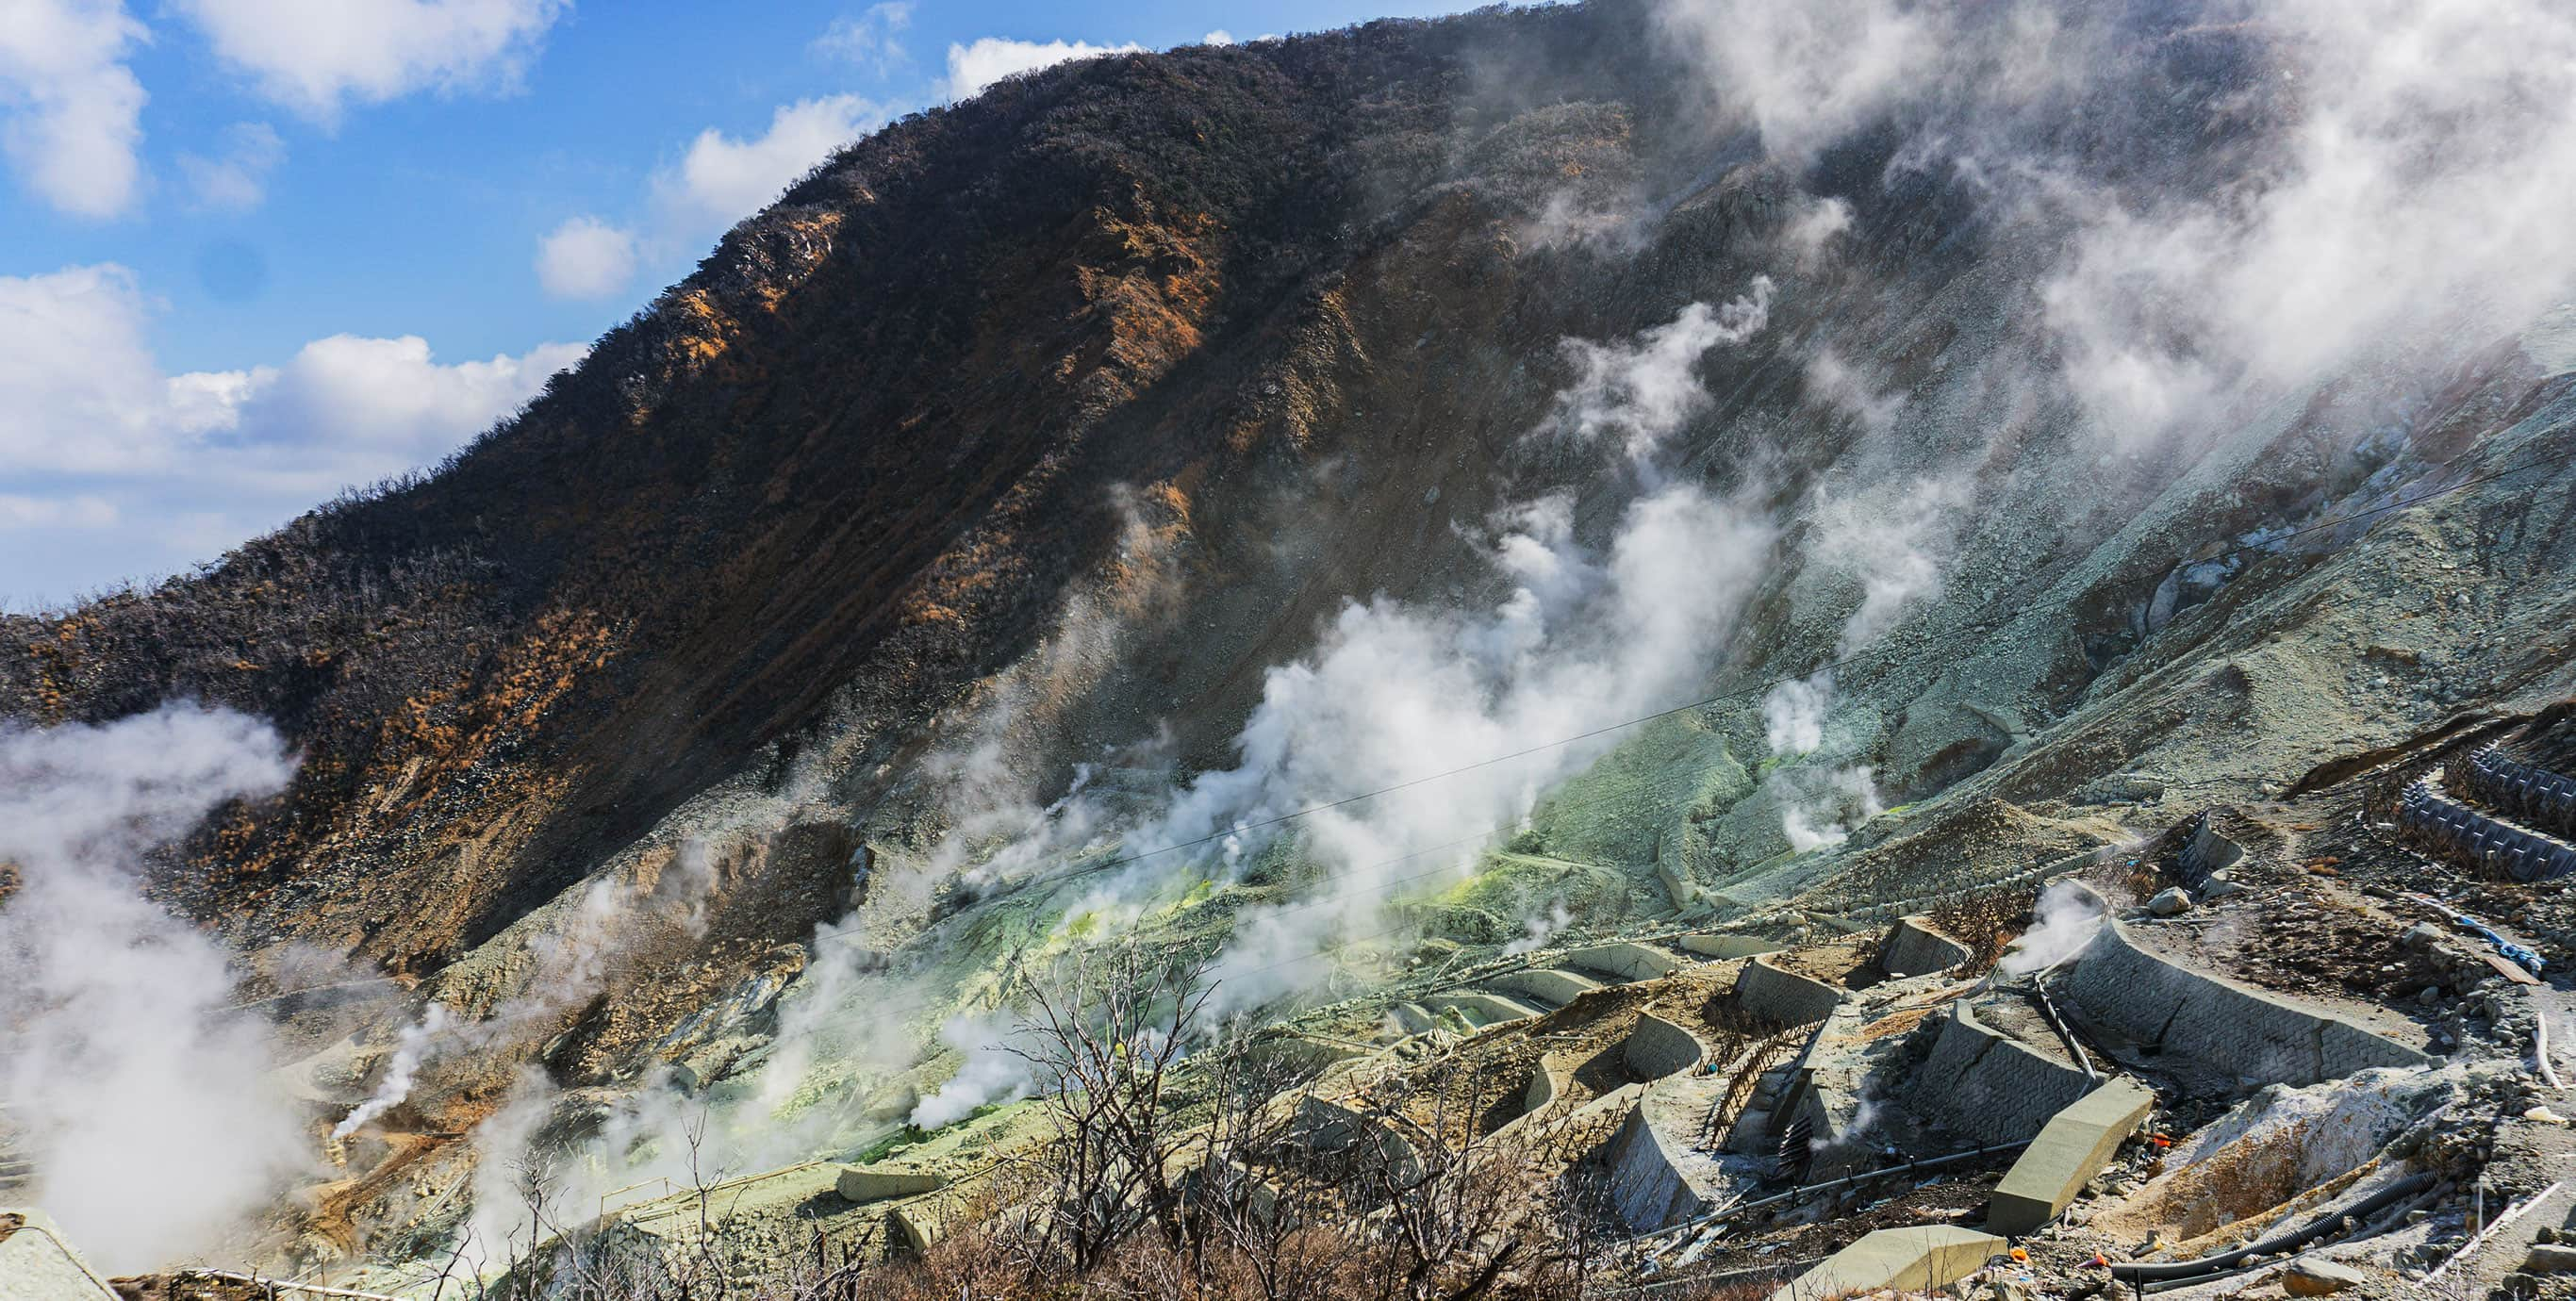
(1006, 462)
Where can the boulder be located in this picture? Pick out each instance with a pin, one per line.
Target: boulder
(2312, 1277)
(2551, 1258)
(2170, 902)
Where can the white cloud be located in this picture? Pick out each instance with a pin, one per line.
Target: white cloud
(722, 180)
(1218, 37)
(973, 67)
(585, 258)
(208, 457)
(70, 110)
(81, 511)
(235, 180)
(867, 38)
(315, 56)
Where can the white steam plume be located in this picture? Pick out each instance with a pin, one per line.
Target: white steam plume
(1892, 540)
(410, 1052)
(990, 1071)
(1793, 715)
(2403, 197)
(1640, 392)
(2062, 923)
(1586, 632)
(144, 1100)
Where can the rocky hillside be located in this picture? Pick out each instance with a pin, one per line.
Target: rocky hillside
(1963, 469)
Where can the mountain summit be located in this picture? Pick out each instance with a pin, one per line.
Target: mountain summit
(1356, 512)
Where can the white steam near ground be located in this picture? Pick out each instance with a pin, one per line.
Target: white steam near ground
(2419, 191)
(2061, 924)
(1583, 634)
(143, 1098)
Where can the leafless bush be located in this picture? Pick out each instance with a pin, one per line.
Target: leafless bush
(1987, 921)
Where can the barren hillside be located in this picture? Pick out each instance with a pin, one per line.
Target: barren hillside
(1363, 509)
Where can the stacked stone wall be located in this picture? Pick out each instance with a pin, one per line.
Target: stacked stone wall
(1914, 947)
(1783, 996)
(1985, 1086)
(2256, 1037)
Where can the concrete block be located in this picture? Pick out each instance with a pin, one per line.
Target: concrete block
(1626, 961)
(38, 1264)
(1915, 947)
(918, 1224)
(1729, 946)
(1784, 996)
(1657, 1048)
(1484, 1009)
(860, 1183)
(1915, 1259)
(2071, 1148)
(2551, 1258)
(1552, 986)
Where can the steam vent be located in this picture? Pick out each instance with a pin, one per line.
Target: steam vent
(1660, 650)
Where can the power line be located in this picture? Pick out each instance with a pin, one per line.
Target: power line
(1839, 662)
(1739, 693)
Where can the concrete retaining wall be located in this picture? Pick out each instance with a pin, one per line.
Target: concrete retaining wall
(1784, 996)
(1657, 1048)
(1914, 947)
(2207, 852)
(1729, 946)
(1542, 1089)
(1914, 1259)
(38, 1265)
(860, 1183)
(2537, 796)
(1331, 1127)
(2493, 846)
(1546, 984)
(1656, 1176)
(1626, 961)
(2257, 1037)
(1482, 1008)
(2072, 1147)
(1988, 1087)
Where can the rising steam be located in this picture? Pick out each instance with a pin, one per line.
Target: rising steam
(144, 1100)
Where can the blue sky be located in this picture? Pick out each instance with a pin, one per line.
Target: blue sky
(255, 251)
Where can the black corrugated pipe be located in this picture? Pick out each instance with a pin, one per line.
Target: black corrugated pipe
(2197, 1270)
